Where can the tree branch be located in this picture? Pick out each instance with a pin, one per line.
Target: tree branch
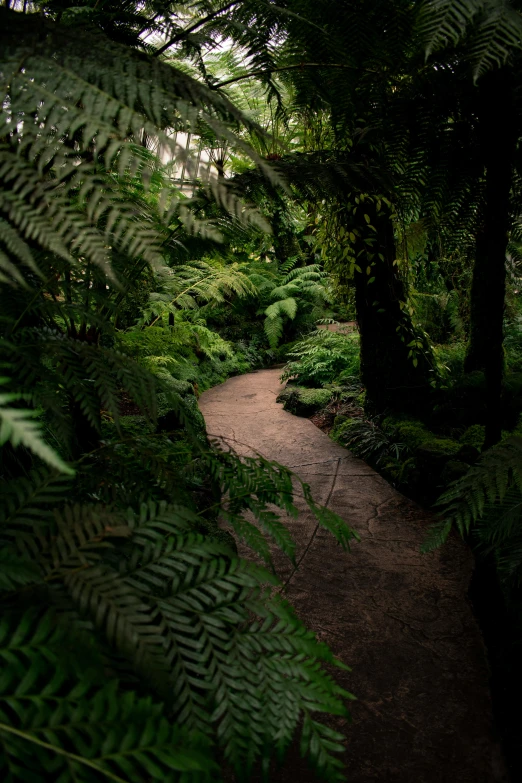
(191, 28)
(289, 68)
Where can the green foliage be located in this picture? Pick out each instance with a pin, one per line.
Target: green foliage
(150, 649)
(405, 452)
(297, 288)
(322, 358)
(451, 360)
(513, 344)
(155, 623)
(473, 436)
(429, 448)
(493, 27)
(369, 441)
(302, 401)
(68, 726)
(439, 313)
(85, 211)
(435, 447)
(410, 431)
(176, 349)
(275, 314)
(188, 286)
(17, 425)
(171, 333)
(171, 607)
(487, 502)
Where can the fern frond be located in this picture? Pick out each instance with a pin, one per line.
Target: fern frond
(441, 21)
(285, 291)
(179, 606)
(18, 427)
(490, 484)
(16, 570)
(93, 374)
(322, 357)
(498, 36)
(29, 499)
(274, 318)
(282, 307)
(256, 484)
(87, 108)
(273, 330)
(16, 245)
(54, 725)
(494, 28)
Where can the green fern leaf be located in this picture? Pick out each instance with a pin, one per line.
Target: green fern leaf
(55, 726)
(17, 426)
(497, 29)
(16, 571)
(273, 330)
(286, 307)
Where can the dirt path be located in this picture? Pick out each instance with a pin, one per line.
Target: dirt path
(400, 619)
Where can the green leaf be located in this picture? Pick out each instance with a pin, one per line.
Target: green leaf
(17, 426)
(16, 571)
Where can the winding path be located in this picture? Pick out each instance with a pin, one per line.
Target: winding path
(400, 619)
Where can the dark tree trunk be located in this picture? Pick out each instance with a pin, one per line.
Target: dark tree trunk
(86, 436)
(220, 166)
(394, 379)
(283, 239)
(498, 145)
(85, 430)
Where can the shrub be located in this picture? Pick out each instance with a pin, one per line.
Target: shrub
(304, 402)
(474, 436)
(409, 431)
(323, 357)
(451, 359)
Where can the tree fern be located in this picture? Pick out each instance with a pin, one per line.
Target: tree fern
(188, 286)
(109, 102)
(274, 318)
(493, 29)
(143, 620)
(298, 288)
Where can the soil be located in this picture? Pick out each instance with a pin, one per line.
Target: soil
(400, 619)
(127, 406)
(340, 326)
(325, 418)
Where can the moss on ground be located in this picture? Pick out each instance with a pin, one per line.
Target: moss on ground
(341, 430)
(304, 402)
(440, 447)
(405, 430)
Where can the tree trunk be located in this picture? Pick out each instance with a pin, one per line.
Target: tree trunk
(498, 145)
(394, 378)
(86, 436)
